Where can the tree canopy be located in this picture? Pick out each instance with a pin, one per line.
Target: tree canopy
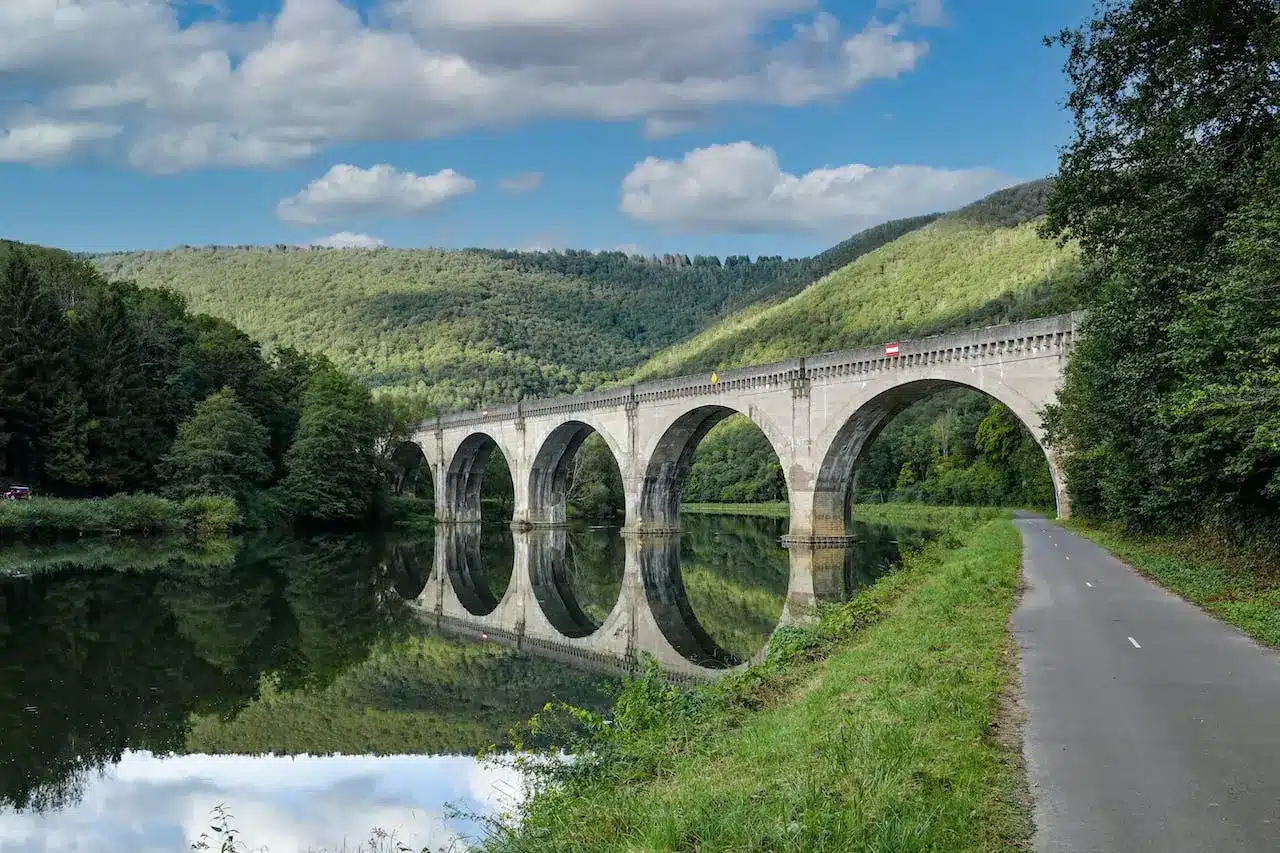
(1168, 415)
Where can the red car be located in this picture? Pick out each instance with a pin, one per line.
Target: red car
(17, 493)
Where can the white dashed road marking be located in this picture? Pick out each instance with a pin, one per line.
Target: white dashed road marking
(1135, 643)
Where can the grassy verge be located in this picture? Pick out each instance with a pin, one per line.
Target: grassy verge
(1237, 585)
(872, 731)
(137, 515)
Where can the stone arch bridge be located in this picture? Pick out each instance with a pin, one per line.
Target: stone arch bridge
(817, 412)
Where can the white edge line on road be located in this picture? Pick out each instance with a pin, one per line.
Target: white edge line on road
(1135, 643)
(1086, 583)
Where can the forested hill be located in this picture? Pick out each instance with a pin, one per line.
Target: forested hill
(981, 265)
(479, 326)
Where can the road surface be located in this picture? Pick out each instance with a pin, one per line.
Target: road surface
(1150, 725)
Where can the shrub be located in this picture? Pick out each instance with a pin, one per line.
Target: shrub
(209, 516)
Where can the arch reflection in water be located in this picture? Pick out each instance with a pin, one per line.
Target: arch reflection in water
(480, 562)
(410, 563)
(576, 574)
(719, 591)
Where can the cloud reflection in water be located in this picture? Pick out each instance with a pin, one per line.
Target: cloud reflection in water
(282, 804)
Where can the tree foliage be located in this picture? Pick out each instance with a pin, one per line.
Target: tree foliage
(333, 465)
(1167, 418)
(106, 387)
(473, 327)
(220, 450)
(982, 265)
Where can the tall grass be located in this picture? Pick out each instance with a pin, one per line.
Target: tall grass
(134, 515)
(872, 731)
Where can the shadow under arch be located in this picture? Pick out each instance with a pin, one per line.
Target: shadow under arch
(474, 561)
(562, 578)
(669, 463)
(408, 465)
(836, 478)
(464, 478)
(549, 477)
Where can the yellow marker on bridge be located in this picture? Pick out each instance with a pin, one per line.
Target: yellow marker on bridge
(715, 377)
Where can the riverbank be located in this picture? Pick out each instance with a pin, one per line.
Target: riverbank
(895, 514)
(132, 515)
(873, 730)
(1236, 585)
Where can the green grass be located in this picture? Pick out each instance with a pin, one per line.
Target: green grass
(1234, 584)
(135, 515)
(874, 731)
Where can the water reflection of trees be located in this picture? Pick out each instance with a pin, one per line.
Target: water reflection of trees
(105, 656)
(735, 574)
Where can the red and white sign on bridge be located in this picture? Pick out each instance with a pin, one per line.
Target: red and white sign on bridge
(891, 350)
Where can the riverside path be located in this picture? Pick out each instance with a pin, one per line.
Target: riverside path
(1151, 726)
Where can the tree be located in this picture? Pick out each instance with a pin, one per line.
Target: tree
(1175, 106)
(333, 466)
(35, 368)
(220, 450)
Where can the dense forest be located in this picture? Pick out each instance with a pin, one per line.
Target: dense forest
(463, 328)
(1169, 419)
(107, 387)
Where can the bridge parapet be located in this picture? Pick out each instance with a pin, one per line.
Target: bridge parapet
(991, 343)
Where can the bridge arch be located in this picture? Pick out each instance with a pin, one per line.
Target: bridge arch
(838, 450)
(549, 479)
(667, 464)
(408, 461)
(459, 500)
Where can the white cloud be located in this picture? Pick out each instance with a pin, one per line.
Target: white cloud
(347, 191)
(741, 188)
(348, 240)
(273, 91)
(522, 183)
(47, 141)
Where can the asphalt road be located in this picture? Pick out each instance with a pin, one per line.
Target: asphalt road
(1150, 725)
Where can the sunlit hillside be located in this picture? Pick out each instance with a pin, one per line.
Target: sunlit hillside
(471, 327)
(979, 266)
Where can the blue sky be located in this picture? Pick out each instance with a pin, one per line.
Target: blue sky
(702, 126)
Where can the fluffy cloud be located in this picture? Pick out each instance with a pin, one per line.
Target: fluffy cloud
(527, 182)
(741, 188)
(347, 191)
(347, 240)
(272, 91)
(48, 141)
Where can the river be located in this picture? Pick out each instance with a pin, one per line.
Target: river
(295, 683)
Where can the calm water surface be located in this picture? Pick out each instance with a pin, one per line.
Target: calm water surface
(293, 681)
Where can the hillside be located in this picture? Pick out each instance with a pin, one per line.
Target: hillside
(982, 265)
(477, 326)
